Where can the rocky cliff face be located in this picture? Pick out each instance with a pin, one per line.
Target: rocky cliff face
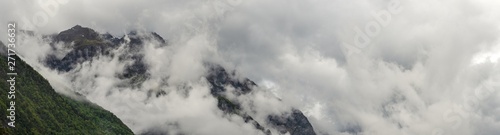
(85, 44)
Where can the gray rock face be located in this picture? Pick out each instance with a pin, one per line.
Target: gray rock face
(88, 44)
(295, 123)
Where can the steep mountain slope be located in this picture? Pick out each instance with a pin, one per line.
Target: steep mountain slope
(295, 123)
(40, 110)
(85, 44)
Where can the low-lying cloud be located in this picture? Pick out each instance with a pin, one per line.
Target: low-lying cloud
(434, 69)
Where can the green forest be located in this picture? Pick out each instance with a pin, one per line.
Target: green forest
(40, 110)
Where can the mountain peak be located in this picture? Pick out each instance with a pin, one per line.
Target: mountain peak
(77, 33)
(77, 27)
(137, 37)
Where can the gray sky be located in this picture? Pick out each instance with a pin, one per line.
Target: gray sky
(430, 67)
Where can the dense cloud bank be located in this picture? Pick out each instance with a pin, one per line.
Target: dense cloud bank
(428, 67)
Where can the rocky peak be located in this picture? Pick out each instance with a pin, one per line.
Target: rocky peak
(77, 33)
(218, 77)
(294, 123)
(137, 38)
(88, 44)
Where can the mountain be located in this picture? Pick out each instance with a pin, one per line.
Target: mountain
(85, 44)
(295, 123)
(40, 110)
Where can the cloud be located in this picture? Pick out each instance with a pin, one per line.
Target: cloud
(185, 107)
(420, 75)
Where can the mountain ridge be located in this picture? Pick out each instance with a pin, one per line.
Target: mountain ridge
(87, 44)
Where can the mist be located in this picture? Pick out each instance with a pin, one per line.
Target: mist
(432, 68)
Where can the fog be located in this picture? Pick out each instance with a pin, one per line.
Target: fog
(432, 68)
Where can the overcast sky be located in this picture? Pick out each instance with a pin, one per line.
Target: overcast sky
(380, 66)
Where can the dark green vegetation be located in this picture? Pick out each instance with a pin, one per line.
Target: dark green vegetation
(40, 110)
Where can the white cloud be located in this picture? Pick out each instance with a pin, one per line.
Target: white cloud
(418, 76)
